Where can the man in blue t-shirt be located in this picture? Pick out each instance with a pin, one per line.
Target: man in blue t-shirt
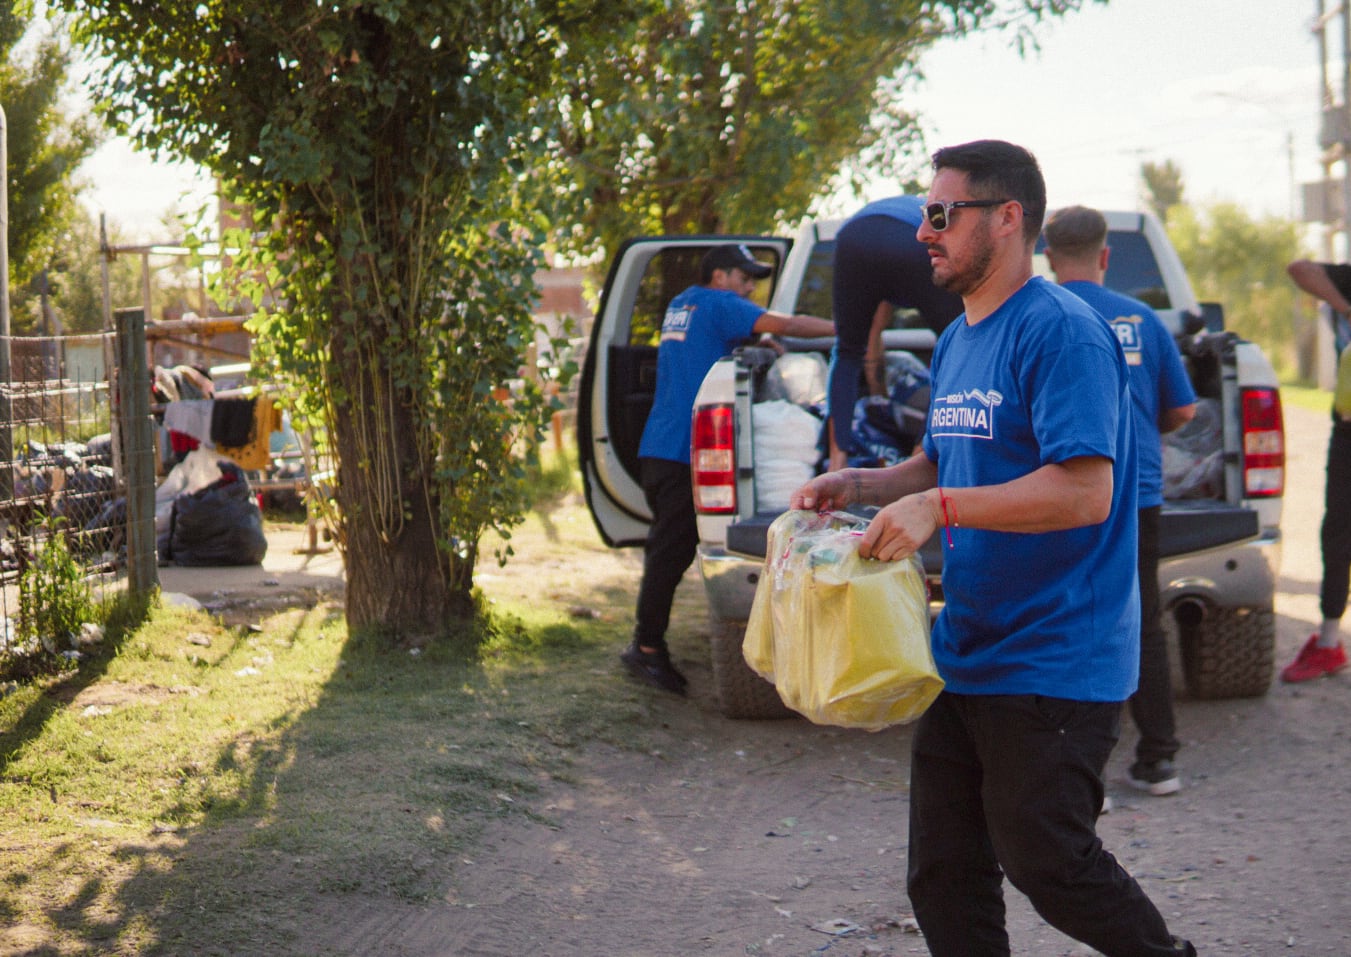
(1029, 476)
(1163, 400)
(701, 325)
(879, 267)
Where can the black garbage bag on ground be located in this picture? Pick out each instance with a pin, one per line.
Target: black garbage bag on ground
(216, 525)
(100, 448)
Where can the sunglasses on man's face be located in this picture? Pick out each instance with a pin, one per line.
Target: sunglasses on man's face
(939, 215)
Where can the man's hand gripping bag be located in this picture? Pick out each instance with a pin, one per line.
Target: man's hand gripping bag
(844, 639)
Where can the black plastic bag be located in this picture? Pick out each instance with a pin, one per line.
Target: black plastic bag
(216, 525)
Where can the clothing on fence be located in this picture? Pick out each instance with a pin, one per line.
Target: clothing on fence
(232, 421)
(255, 452)
(190, 417)
(239, 429)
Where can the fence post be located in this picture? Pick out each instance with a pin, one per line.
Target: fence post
(6, 373)
(138, 450)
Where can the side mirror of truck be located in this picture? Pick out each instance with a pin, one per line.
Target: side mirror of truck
(1211, 319)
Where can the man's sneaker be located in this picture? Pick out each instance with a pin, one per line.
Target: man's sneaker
(1314, 662)
(653, 667)
(1157, 777)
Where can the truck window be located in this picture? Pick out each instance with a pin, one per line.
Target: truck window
(813, 297)
(1132, 269)
(670, 272)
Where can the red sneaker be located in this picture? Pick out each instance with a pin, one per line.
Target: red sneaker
(1314, 662)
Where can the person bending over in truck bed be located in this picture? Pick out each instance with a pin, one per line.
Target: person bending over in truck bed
(1028, 465)
(1323, 653)
(701, 325)
(1163, 400)
(879, 267)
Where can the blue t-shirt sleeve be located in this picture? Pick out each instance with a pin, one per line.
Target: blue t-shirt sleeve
(1067, 426)
(736, 317)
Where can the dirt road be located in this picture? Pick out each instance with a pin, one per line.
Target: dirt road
(781, 838)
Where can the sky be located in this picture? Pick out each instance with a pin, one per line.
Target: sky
(136, 191)
(1226, 89)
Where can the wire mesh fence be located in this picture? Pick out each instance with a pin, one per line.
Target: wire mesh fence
(58, 476)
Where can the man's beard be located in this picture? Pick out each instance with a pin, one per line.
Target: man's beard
(964, 280)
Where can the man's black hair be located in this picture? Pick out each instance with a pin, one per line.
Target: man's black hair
(999, 170)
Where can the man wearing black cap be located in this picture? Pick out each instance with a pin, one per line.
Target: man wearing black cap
(701, 325)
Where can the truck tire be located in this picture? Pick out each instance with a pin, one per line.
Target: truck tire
(741, 692)
(1229, 653)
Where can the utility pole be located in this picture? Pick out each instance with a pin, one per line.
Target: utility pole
(1334, 139)
(1343, 127)
(4, 250)
(6, 377)
(1290, 163)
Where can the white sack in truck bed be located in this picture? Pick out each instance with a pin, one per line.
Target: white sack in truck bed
(1193, 456)
(785, 452)
(799, 377)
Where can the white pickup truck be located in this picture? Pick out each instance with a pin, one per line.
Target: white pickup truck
(1219, 545)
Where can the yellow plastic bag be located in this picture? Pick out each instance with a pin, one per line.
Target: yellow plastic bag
(1341, 397)
(844, 639)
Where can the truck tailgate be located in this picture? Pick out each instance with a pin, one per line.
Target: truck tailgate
(1195, 526)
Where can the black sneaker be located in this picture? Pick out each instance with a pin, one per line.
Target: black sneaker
(1159, 778)
(654, 667)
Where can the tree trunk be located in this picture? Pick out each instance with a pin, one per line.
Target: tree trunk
(399, 583)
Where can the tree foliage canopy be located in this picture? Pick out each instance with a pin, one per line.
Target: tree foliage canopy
(1239, 261)
(709, 116)
(379, 147)
(1163, 187)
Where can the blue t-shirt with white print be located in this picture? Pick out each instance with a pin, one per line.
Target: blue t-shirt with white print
(700, 327)
(1041, 380)
(1158, 379)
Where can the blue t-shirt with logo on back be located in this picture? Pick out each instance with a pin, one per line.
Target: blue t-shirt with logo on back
(700, 327)
(1041, 380)
(1158, 379)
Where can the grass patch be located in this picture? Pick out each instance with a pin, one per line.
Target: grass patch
(1306, 397)
(192, 785)
(551, 477)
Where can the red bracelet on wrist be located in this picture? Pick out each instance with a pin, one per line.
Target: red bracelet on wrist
(949, 520)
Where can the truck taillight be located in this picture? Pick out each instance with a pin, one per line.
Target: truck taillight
(1263, 444)
(713, 459)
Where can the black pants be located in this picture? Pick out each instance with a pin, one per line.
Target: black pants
(1011, 786)
(1336, 531)
(672, 541)
(877, 259)
(1151, 706)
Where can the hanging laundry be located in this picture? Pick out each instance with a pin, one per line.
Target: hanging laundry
(232, 422)
(190, 417)
(255, 452)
